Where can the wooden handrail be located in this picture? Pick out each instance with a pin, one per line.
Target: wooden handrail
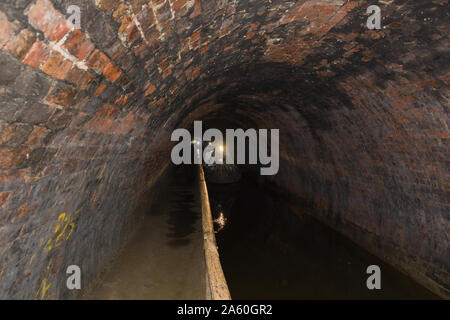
(216, 284)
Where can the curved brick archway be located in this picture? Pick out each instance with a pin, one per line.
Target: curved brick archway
(86, 116)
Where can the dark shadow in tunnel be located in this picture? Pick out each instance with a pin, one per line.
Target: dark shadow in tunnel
(184, 205)
(272, 248)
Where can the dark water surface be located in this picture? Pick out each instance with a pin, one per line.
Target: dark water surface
(269, 252)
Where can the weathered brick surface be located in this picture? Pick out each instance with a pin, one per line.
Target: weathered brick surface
(78, 45)
(85, 117)
(37, 54)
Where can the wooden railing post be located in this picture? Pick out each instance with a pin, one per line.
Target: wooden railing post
(216, 284)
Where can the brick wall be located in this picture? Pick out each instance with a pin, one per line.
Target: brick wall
(85, 117)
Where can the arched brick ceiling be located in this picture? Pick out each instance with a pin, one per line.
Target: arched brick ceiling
(86, 115)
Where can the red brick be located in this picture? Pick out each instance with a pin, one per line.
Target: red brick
(178, 4)
(52, 63)
(80, 105)
(225, 30)
(7, 29)
(20, 44)
(132, 32)
(163, 65)
(195, 36)
(141, 49)
(109, 5)
(164, 13)
(167, 72)
(84, 81)
(122, 100)
(63, 69)
(98, 124)
(150, 90)
(128, 28)
(111, 72)
(13, 176)
(108, 111)
(197, 9)
(63, 95)
(43, 16)
(60, 30)
(250, 34)
(36, 136)
(12, 157)
(126, 124)
(191, 73)
(123, 81)
(78, 45)
(103, 119)
(100, 89)
(6, 132)
(24, 210)
(98, 61)
(118, 13)
(4, 196)
(74, 75)
(125, 22)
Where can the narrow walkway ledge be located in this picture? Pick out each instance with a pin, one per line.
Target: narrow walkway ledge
(216, 284)
(165, 259)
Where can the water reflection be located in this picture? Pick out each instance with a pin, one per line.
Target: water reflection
(273, 251)
(221, 221)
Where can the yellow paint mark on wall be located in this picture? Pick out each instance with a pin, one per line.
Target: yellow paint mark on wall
(43, 288)
(63, 229)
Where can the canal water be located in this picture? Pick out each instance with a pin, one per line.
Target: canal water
(268, 251)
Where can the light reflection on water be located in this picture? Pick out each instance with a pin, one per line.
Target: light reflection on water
(221, 221)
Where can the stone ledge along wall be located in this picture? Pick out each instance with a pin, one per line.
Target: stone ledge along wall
(86, 115)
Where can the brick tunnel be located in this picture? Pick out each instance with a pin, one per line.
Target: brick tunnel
(86, 116)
